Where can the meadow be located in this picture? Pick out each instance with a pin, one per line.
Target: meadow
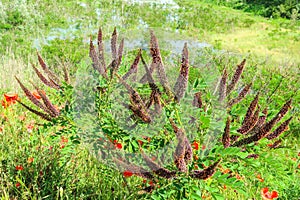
(199, 101)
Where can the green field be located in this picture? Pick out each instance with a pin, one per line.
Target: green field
(87, 149)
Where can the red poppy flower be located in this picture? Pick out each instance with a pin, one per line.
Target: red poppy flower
(18, 184)
(9, 99)
(19, 167)
(144, 181)
(195, 145)
(127, 174)
(266, 195)
(118, 145)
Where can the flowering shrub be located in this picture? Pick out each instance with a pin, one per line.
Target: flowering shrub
(184, 134)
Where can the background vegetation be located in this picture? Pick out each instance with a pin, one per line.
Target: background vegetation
(272, 9)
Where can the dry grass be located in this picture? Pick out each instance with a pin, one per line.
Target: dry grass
(259, 40)
(11, 66)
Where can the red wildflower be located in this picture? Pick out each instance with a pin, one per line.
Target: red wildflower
(37, 95)
(19, 167)
(118, 145)
(266, 195)
(299, 154)
(22, 117)
(147, 138)
(260, 178)
(144, 181)
(3, 117)
(203, 147)
(226, 171)
(127, 174)
(151, 183)
(238, 177)
(140, 142)
(9, 99)
(195, 145)
(30, 160)
(63, 142)
(299, 166)
(30, 127)
(18, 184)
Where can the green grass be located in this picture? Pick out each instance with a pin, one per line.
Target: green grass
(272, 50)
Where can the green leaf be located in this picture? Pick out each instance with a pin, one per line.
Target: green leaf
(230, 151)
(195, 196)
(196, 83)
(217, 196)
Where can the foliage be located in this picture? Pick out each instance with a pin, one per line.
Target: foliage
(273, 8)
(61, 157)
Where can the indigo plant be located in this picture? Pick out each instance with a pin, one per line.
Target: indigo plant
(134, 119)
